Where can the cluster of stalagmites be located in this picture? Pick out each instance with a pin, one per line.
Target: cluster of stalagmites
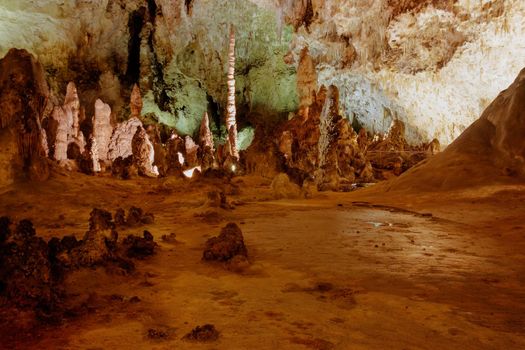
(35, 133)
(31, 269)
(125, 148)
(129, 148)
(318, 147)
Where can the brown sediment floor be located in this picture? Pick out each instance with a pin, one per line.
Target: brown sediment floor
(362, 270)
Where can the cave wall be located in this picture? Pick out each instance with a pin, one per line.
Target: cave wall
(433, 64)
(175, 50)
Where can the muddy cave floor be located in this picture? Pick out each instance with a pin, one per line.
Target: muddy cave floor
(360, 270)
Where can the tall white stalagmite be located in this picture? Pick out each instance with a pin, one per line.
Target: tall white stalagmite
(231, 122)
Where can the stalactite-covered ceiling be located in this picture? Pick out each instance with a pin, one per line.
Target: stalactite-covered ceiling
(433, 64)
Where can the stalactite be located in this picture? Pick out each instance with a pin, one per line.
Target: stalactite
(231, 122)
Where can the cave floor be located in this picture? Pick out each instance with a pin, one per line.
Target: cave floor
(359, 270)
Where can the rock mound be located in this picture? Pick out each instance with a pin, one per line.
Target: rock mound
(226, 246)
(490, 151)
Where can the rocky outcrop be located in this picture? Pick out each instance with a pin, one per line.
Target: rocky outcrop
(226, 246)
(99, 244)
(26, 278)
(23, 99)
(139, 247)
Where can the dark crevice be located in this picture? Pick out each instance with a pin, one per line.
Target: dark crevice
(161, 97)
(135, 25)
(189, 6)
(308, 15)
(214, 112)
(152, 9)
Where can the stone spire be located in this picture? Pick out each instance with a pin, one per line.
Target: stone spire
(231, 123)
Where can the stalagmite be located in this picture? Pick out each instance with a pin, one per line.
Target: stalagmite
(71, 108)
(61, 134)
(95, 155)
(66, 136)
(207, 151)
(205, 135)
(143, 153)
(192, 150)
(102, 128)
(306, 82)
(231, 123)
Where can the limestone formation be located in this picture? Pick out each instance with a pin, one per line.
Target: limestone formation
(207, 149)
(175, 150)
(61, 134)
(160, 150)
(94, 153)
(143, 153)
(282, 187)
(135, 103)
(226, 246)
(102, 129)
(89, 162)
(71, 107)
(192, 152)
(23, 99)
(306, 80)
(99, 244)
(25, 269)
(391, 154)
(231, 122)
(120, 142)
(67, 140)
(139, 247)
(322, 143)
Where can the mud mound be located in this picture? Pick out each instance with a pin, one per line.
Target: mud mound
(490, 151)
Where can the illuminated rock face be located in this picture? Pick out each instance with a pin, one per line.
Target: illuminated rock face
(432, 64)
(120, 143)
(67, 134)
(434, 67)
(102, 129)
